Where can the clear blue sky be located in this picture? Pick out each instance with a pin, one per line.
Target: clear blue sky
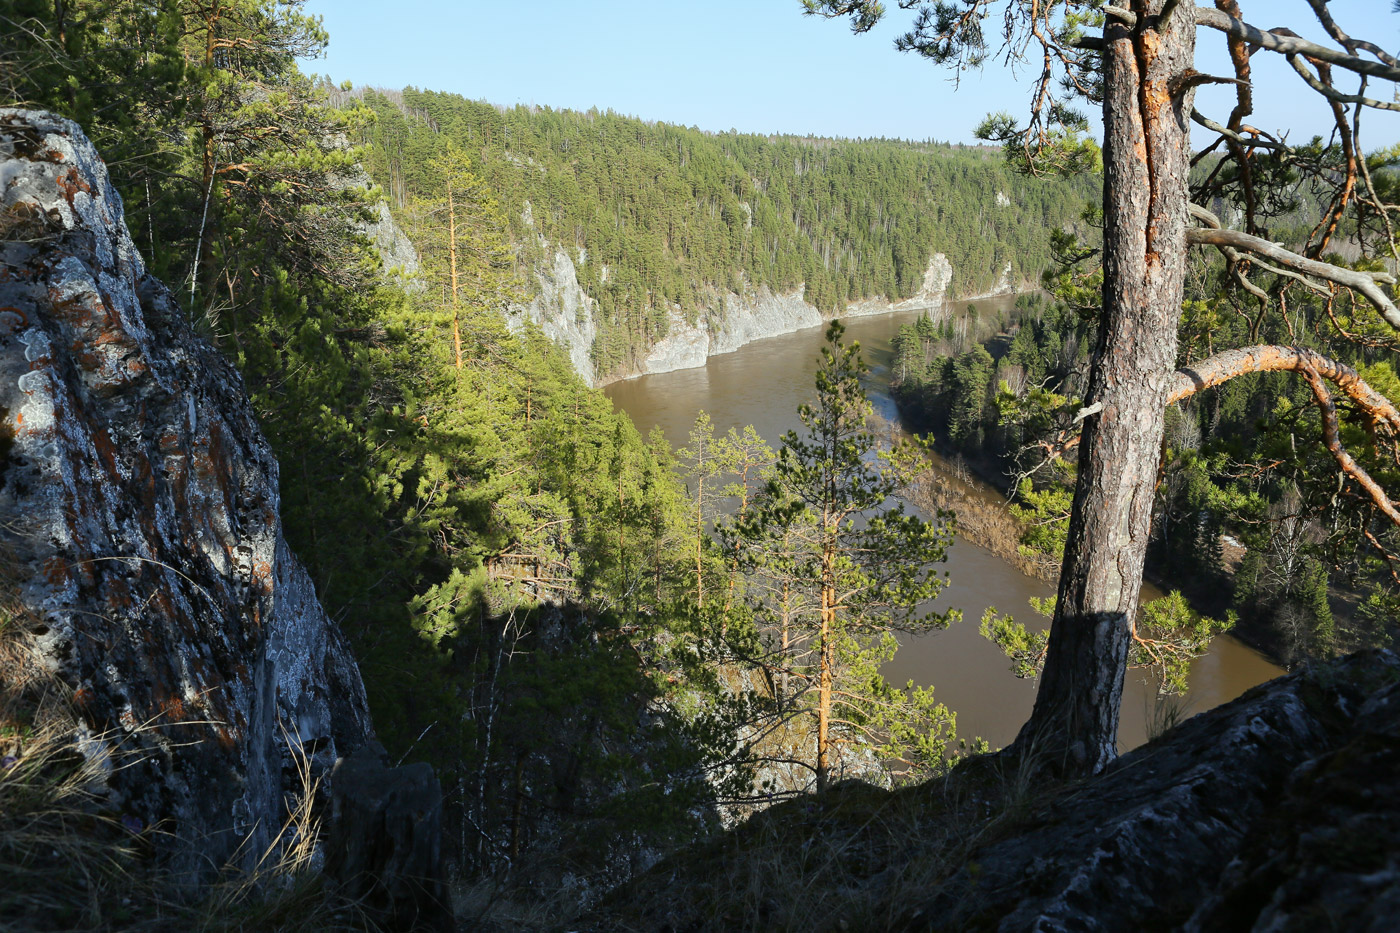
(758, 65)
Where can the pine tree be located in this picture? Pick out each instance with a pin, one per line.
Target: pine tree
(827, 528)
(461, 233)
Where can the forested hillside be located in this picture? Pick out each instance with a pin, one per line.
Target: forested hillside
(659, 217)
(546, 606)
(519, 574)
(441, 478)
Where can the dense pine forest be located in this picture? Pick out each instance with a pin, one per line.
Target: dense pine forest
(607, 648)
(659, 217)
(519, 573)
(499, 545)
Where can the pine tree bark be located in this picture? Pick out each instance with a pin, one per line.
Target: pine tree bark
(824, 682)
(1147, 106)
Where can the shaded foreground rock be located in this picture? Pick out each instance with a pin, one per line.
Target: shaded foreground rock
(1278, 811)
(385, 844)
(140, 517)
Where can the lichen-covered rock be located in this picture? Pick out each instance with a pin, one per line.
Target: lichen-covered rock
(1277, 811)
(139, 503)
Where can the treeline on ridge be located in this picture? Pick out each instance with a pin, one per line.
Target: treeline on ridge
(660, 218)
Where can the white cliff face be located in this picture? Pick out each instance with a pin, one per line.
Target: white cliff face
(745, 319)
(397, 254)
(1005, 285)
(932, 294)
(763, 313)
(564, 311)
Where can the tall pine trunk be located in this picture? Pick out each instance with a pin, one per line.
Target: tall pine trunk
(1147, 109)
(826, 650)
(452, 266)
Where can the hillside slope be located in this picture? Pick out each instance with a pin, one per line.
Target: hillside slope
(629, 233)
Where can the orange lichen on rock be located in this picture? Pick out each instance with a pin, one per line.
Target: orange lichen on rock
(70, 184)
(149, 499)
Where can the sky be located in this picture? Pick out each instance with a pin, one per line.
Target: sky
(760, 66)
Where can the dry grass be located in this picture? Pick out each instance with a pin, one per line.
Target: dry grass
(63, 858)
(984, 520)
(490, 905)
(855, 859)
(69, 862)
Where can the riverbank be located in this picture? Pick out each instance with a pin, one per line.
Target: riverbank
(726, 321)
(764, 383)
(991, 525)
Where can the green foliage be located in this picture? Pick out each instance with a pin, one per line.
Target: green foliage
(459, 232)
(1025, 648)
(850, 567)
(1045, 516)
(662, 220)
(1231, 455)
(499, 545)
(913, 734)
(1169, 636)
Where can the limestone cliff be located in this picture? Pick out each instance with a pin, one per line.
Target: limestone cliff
(396, 253)
(564, 312)
(139, 506)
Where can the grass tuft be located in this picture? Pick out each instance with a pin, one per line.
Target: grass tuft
(69, 862)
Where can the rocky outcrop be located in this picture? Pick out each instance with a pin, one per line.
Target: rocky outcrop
(563, 311)
(931, 296)
(764, 313)
(396, 253)
(139, 505)
(1240, 819)
(744, 320)
(1005, 284)
(1279, 811)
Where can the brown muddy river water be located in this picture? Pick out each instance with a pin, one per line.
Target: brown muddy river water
(763, 383)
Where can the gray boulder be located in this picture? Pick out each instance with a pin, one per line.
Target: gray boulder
(139, 509)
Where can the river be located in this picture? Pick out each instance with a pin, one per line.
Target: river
(763, 383)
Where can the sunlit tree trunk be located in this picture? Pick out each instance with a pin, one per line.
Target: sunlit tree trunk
(825, 649)
(452, 267)
(1147, 107)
